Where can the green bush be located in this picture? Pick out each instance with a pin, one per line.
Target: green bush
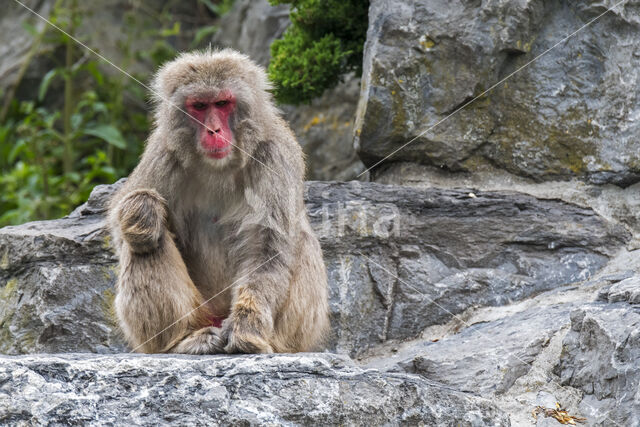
(324, 41)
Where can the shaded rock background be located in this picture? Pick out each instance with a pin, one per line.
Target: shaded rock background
(505, 267)
(14, 50)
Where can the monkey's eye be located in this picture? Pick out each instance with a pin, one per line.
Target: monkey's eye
(221, 103)
(200, 106)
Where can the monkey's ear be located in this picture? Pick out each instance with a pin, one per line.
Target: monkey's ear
(166, 81)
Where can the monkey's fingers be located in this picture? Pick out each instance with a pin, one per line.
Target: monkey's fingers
(247, 343)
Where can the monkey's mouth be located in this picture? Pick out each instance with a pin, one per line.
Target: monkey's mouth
(217, 153)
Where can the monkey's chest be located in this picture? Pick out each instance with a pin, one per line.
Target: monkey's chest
(206, 254)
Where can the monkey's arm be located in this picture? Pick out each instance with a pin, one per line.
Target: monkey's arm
(157, 304)
(260, 289)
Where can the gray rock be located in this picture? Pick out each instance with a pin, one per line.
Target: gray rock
(627, 290)
(621, 205)
(303, 389)
(57, 292)
(484, 358)
(571, 113)
(601, 355)
(521, 356)
(399, 260)
(325, 131)
(325, 126)
(251, 26)
(16, 41)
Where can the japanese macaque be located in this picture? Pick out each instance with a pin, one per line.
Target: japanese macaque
(216, 251)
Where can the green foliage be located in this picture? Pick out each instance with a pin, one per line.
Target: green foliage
(32, 151)
(324, 41)
(218, 8)
(85, 123)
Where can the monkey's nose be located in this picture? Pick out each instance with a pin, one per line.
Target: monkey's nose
(211, 132)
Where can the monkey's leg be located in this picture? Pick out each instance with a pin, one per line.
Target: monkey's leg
(302, 322)
(256, 299)
(158, 306)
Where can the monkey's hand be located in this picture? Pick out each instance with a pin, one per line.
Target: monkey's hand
(142, 217)
(245, 342)
(245, 330)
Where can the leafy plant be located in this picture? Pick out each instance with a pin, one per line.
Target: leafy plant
(324, 41)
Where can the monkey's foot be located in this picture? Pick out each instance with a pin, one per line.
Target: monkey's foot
(203, 341)
(245, 343)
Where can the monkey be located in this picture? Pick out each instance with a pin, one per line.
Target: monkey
(216, 252)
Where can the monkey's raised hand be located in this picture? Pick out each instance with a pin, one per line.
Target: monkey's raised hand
(142, 217)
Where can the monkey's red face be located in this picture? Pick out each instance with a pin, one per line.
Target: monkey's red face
(215, 136)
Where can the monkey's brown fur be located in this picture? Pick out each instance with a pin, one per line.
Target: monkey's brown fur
(188, 227)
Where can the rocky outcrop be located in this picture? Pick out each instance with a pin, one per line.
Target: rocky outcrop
(474, 290)
(558, 346)
(325, 126)
(569, 114)
(57, 292)
(621, 205)
(402, 259)
(395, 266)
(601, 354)
(325, 131)
(306, 389)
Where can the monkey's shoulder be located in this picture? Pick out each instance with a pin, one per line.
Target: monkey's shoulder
(282, 156)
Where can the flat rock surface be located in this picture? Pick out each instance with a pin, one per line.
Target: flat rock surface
(302, 389)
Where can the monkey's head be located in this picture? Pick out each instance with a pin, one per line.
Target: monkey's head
(209, 103)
